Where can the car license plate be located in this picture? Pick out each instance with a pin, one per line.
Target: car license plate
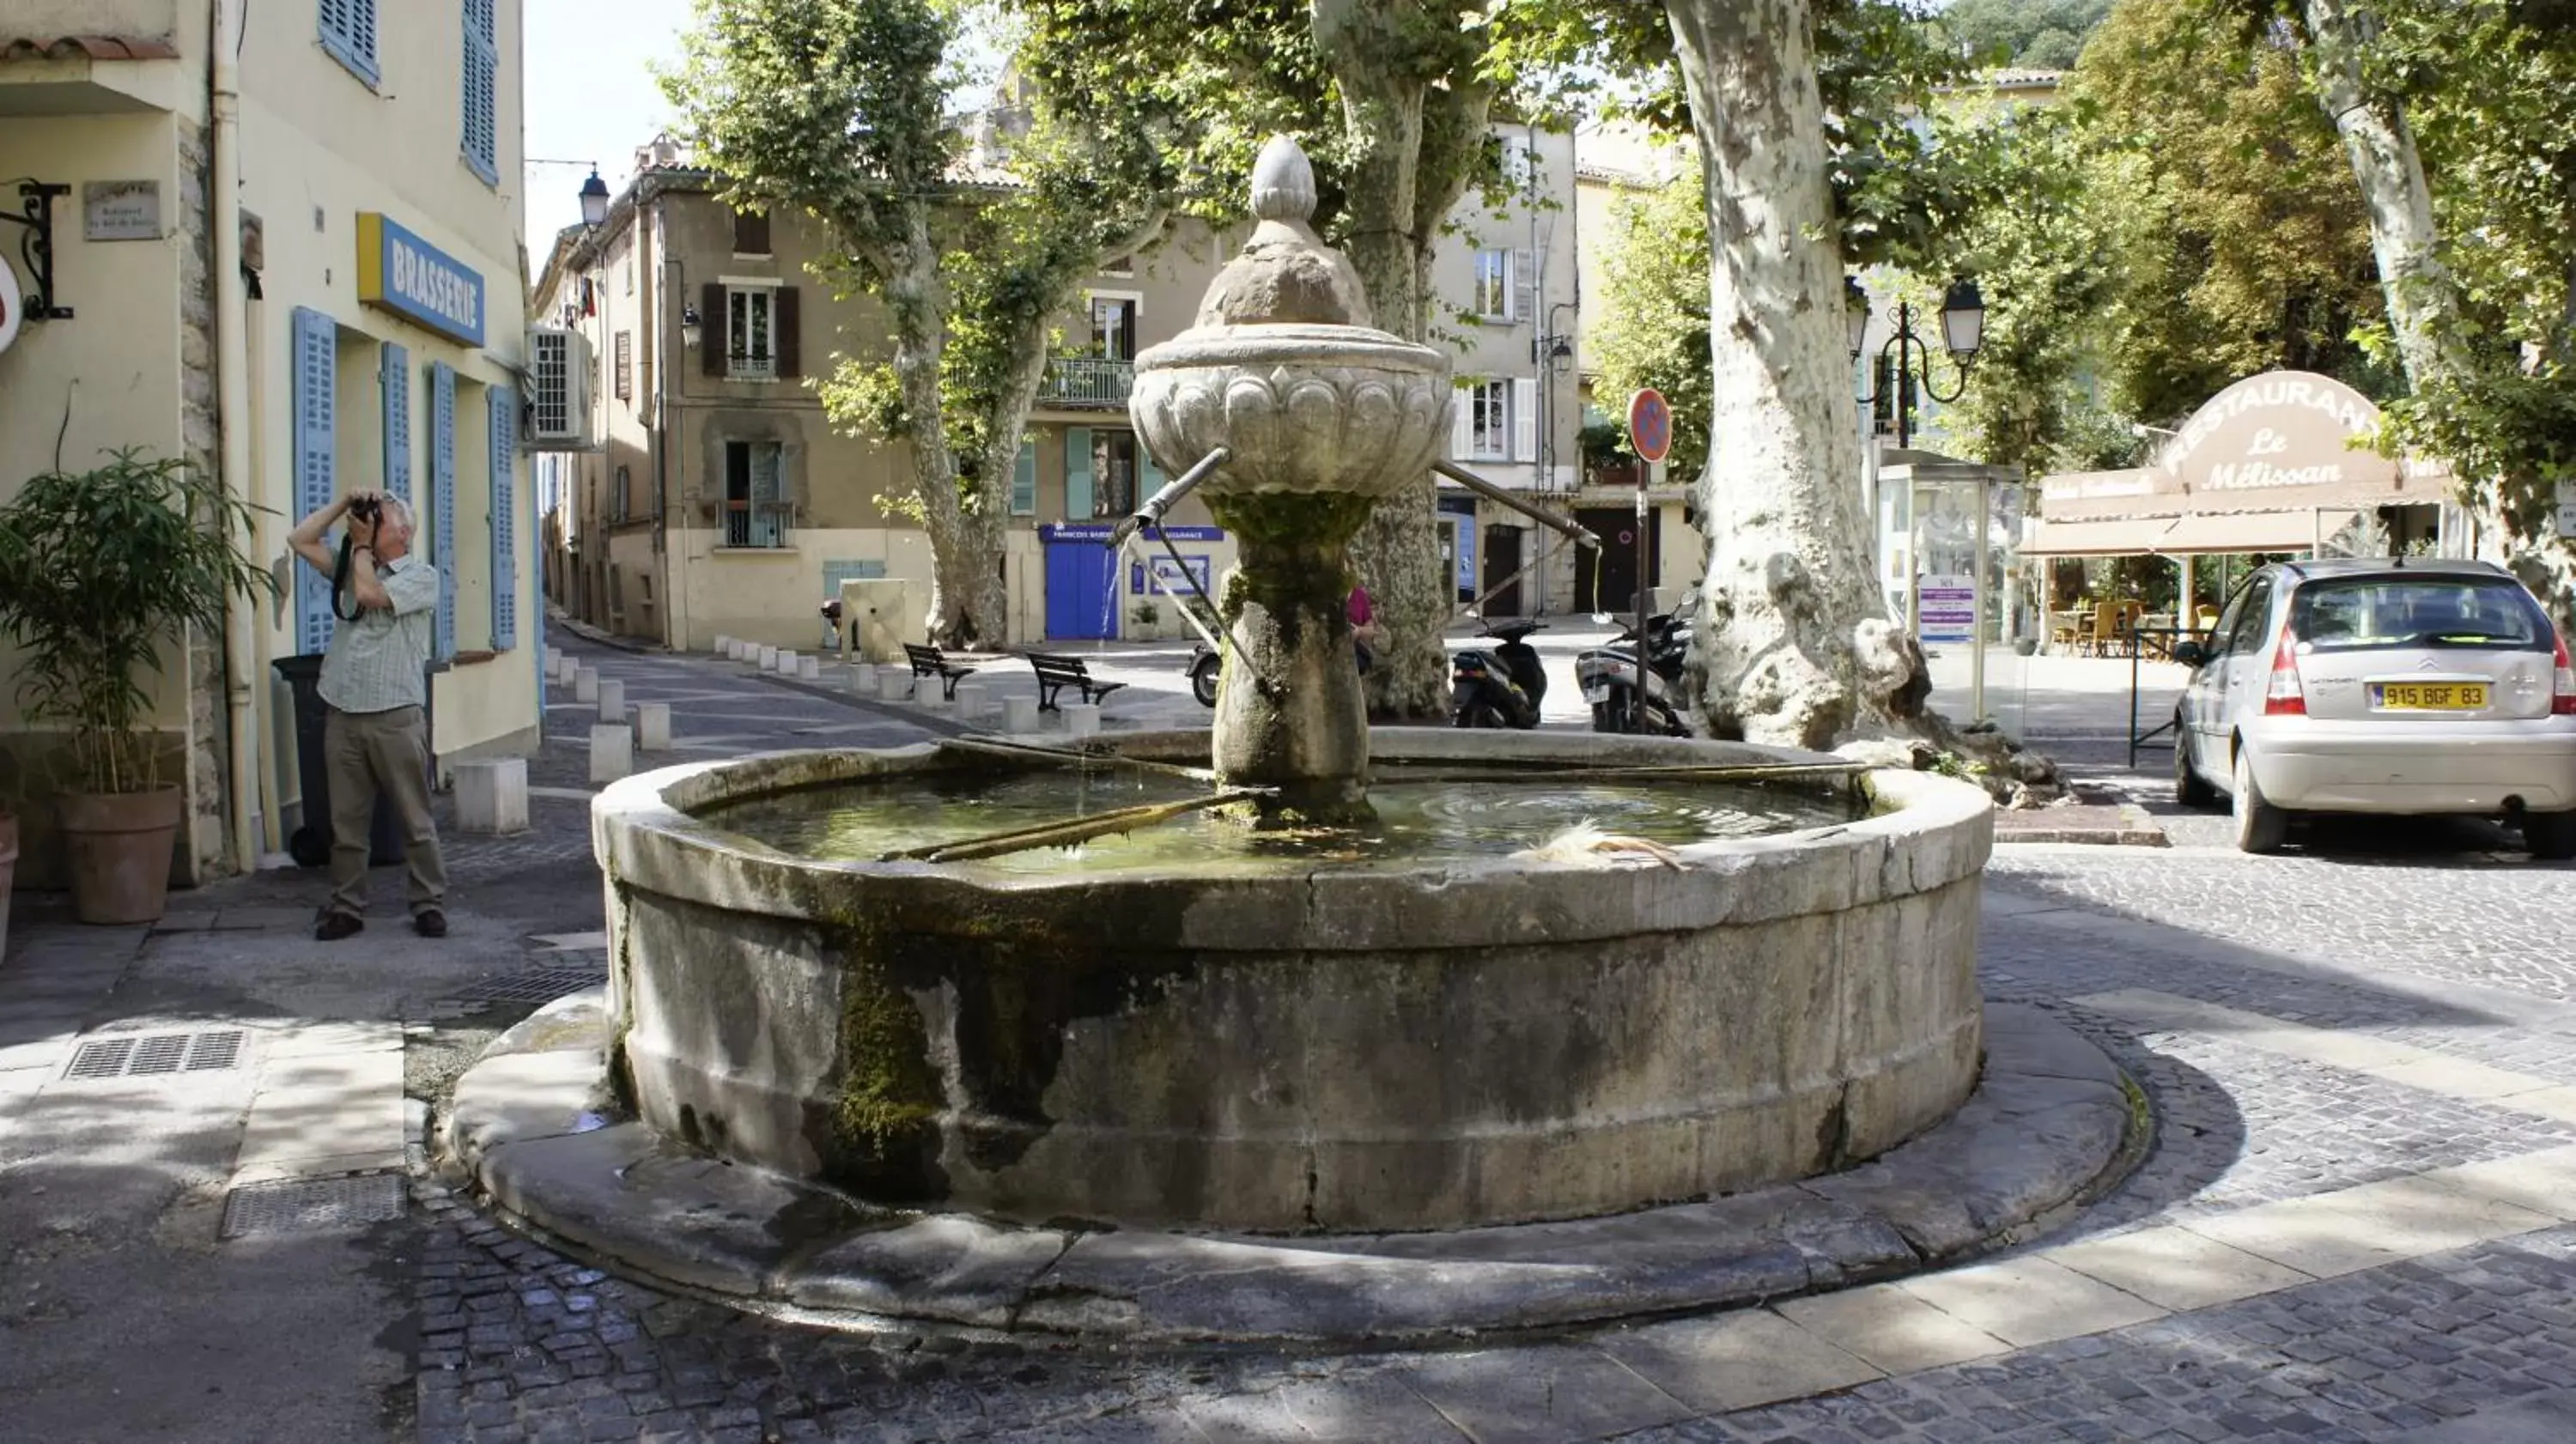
(1595, 696)
(2429, 696)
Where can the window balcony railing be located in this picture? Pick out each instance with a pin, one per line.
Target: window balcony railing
(1087, 381)
(757, 524)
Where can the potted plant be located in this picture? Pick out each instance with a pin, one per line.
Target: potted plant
(101, 573)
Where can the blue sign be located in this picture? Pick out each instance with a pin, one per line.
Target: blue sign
(1175, 577)
(1102, 531)
(407, 276)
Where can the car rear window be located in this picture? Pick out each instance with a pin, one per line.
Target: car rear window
(2361, 613)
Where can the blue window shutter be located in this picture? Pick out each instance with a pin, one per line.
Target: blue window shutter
(442, 499)
(317, 366)
(1024, 481)
(481, 100)
(349, 34)
(505, 520)
(1149, 477)
(1077, 473)
(395, 369)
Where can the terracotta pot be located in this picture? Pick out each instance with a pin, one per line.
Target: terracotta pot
(8, 874)
(117, 847)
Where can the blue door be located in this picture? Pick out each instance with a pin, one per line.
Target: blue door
(1081, 595)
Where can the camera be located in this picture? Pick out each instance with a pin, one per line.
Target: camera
(366, 509)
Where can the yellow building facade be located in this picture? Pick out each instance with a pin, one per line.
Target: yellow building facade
(287, 239)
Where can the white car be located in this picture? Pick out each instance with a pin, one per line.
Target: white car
(2396, 686)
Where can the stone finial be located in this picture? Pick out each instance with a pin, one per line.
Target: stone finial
(1283, 183)
(1286, 275)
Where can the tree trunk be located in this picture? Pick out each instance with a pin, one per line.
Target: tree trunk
(1794, 646)
(916, 300)
(2393, 190)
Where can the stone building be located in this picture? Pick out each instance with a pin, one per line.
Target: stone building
(719, 500)
(284, 245)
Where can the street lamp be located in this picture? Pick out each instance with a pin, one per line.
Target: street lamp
(1963, 333)
(594, 199)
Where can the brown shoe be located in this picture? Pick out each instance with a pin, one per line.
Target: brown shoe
(429, 923)
(336, 925)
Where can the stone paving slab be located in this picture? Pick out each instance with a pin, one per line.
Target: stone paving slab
(2050, 1124)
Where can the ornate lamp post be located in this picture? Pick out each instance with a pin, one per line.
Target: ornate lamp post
(1963, 331)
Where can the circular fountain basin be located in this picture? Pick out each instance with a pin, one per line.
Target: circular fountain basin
(1352, 1043)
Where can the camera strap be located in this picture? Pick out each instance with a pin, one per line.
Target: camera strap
(340, 583)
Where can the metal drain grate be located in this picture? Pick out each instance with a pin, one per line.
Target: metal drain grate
(142, 1055)
(312, 1205)
(536, 985)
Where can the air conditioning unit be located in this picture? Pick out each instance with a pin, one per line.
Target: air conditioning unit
(559, 375)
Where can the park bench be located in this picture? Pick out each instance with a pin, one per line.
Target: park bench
(931, 662)
(1055, 673)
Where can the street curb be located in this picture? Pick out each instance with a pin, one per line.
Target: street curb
(2052, 1126)
(2137, 828)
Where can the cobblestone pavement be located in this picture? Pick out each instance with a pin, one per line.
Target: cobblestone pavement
(2449, 943)
(2444, 944)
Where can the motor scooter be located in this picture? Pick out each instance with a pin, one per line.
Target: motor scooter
(1611, 680)
(1501, 686)
(1203, 666)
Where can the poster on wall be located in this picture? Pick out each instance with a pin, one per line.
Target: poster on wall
(1948, 608)
(1171, 576)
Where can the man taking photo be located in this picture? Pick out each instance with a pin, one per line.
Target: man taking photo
(375, 738)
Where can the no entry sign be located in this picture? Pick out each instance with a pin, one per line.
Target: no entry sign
(1650, 424)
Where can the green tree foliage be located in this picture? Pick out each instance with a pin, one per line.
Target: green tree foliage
(2032, 34)
(839, 109)
(2243, 246)
(1653, 309)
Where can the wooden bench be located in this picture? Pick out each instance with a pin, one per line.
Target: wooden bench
(1055, 673)
(931, 662)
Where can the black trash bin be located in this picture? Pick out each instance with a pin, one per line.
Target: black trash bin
(311, 844)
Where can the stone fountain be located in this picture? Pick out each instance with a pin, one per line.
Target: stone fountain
(1035, 1091)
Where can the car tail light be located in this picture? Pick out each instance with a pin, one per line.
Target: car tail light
(2562, 682)
(2283, 697)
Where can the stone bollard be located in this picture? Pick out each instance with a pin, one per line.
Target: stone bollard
(492, 796)
(786, 663)
(724, 644)
(612, 751)
(1081, 719)
(809, 669)
(612, 700)
(970, 701)
(652, 726)
(893, 684)
(1019, 715)
(585, 685)
(733, 649)
(863, 679)
(766, 659)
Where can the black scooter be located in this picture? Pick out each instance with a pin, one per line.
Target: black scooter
(1501, 687)
(1203, 664)
(1611, 682)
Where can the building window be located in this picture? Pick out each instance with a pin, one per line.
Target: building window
(349, 33)
(617, 495)
(1113, 328)
(751, 325)
(755, 506)
(1113, 468)
(1489, 420)
(1493, 297)
(625, 365)
(482, 97)
(751, 233)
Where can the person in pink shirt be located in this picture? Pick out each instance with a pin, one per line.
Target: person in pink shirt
(1363, 615)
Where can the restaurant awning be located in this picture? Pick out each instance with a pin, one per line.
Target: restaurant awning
(2253, 531)
(2252, 471)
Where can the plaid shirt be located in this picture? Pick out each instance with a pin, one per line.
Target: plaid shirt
(374, 663)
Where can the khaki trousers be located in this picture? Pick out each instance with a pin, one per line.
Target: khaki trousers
(369, 752)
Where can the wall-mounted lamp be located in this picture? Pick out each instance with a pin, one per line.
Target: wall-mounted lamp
(594, 199)
(36, 248)
(689, 327)
(1963, 331)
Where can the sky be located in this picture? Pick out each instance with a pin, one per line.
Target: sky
(591, 97)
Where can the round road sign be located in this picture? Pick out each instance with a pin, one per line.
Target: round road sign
(10, 301)
(1650, 424)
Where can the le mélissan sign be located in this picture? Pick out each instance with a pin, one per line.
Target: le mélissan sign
(407, 276)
